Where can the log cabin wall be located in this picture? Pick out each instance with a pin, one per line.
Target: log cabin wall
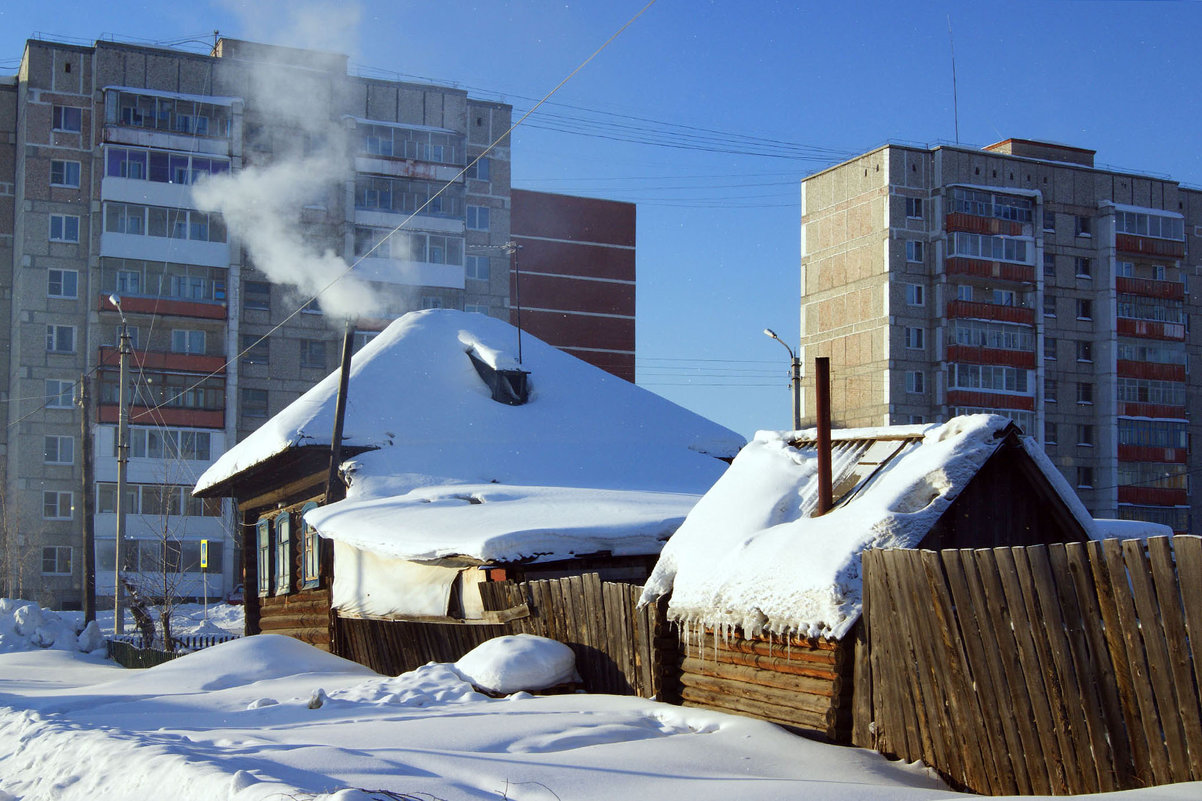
(800, 683)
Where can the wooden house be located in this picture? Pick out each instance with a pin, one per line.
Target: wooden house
(460, 467)
(767, 595)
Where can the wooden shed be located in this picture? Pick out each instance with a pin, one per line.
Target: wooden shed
(755, 644)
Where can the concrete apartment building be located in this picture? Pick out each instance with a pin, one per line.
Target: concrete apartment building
(1018, 279)
(99, 147)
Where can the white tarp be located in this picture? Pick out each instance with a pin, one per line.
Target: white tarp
(373, 586)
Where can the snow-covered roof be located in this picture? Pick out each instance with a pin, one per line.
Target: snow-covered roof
(589, 463)
(750, 555)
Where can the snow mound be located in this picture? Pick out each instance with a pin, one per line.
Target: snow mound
(518, 662)
(25, 626)
(1130, 529)
(427, 686)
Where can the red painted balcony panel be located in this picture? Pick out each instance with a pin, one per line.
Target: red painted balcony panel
(166, 307)
(1151, 370)
(959, 221)
(171, 362)
(992, 400)
(1153, 496)
(990, 311)
(1148, 453)
(164, 416)
(1150, 288)
(1150, 329)
(1149, 246)
(1010, 358)
(1152, 410)
(999, 270)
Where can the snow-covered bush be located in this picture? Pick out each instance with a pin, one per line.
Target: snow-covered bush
(24, 626)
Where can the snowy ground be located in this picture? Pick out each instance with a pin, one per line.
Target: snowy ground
(216, 618)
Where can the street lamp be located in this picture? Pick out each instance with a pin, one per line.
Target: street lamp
(119, 552)
(795, 379)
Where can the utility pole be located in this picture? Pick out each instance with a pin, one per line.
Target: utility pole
(85, 503)
(120, 557)
(794, 377)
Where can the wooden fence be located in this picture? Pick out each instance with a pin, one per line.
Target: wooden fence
(132, 651)
(620, 648)
(1050, 669)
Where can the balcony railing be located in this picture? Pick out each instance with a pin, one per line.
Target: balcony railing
(1150, 329)
(1155, 410)
(959, 221)
(968, 309)
(1151, 453)
(1153, 496)
(1022, 359)
(1149, 246)
(995, 400)
(1000, 270)
(1151, 370)
(165, 306)
(159, 360)
(1150, 288)
(164, 416)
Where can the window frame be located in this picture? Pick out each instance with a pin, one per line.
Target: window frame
(65, 176)
(263, 554)
(282, 546)
(311, 550)
(65, 222)
(58, 457)
(478, 218)
(916, 295)
(308, 351)
(58, 496)
(59, 119)
(915, 382)
(55, 334)
(62, 276)
(914, 251)
(56, 559)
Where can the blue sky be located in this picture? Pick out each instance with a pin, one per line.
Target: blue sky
(810, 84)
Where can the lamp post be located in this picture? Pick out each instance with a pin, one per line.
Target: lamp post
(119, 554)
(795, 377)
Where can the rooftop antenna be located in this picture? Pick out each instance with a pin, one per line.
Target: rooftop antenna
(955, 96)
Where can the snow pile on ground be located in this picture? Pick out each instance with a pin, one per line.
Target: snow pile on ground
(25, 626)
(518, 662)
(749, 555)
(217, 619)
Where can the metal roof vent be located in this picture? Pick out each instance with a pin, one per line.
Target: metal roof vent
(511, 387)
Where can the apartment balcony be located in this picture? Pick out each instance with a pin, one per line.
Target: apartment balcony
(163, 416)
(1153, 496)
(966, 309)
(164, 307)
(1151, 370)
(960, 221)
(1151, 288)
(165, 140)
(158, 360)
(997, 270)
(990, 400)
(1150, 329)
(1154, 410)
(1149, 246)
(1022, 359)
(1151, 453)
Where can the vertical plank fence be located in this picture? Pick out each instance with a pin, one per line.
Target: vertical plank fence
(1057, 669)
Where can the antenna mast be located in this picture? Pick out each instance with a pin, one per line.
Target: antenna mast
(955, 96)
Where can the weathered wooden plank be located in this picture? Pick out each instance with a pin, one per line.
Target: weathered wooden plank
(861, 704)
(739, 689)
(720, 697)
(795, 651)
(896, 715)
(1002, 746)
(767, 678)
(1188, 552)
(919, 724)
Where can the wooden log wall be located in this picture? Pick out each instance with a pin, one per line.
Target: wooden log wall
(1053, 669)
(800, 683)
(620, 648)
(303, 615)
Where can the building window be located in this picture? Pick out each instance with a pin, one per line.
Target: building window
(1049, 265)
(1084, 267)
(58, 505)
(254, 402)
(187, 340)
(161, 166)
(1085, 476)
(67, 118)
(255, 349)
(915, 338)
(915, 295)
(983, 334)
(477, 267)
(431, 302)
(362, 338)
(263, 555)
(1084, 393)
(1049, 433)
(989, 377)
(64, 228)
(58, 450)
(311, 543)
(1005, 297)
(56, 560)
(283, 554)
(1085, 434)
(914, 250)
(169, 223)
(997, 248)
(964, 292)
(1049, 305)
(915, 381)
(1050, 390)
(1049, 220)
(59, 394)
(64, 173)
(313, 353)
(1155, 225)
(477, 308)
(1084, 309)
(168, 443)
(1049, 347)
(256, 295)
(477, 218)
(1124, 269)
(62, 284)
(479, 170)
(917, 419)
(131, 330)
(914, 208)
(1158, 272)
(1084, 226)
(60, 338)
(1084, 351)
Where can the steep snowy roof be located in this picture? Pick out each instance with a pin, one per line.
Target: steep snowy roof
(750, 555)
(589, 463)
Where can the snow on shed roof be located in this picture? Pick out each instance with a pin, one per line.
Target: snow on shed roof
(749, 554)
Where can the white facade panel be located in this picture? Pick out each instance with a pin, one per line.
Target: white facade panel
(148, 193)
(158, 248)
(410, 273)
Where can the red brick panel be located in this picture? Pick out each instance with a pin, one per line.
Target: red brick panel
(963, 397)
(1153, 496)
(157, 360)
(1152, 410)
(577, 330)
(165, 307)
(578, 218)
(1146, 245)
(568, 258)
(1148, 453)
(959, 221)
(186, 418)
(1010, 358)
(1150, 329)
(618, 364)
(1151, 370)
(1003, 270)
(1150, 288)
(990, 311)
(571, 294)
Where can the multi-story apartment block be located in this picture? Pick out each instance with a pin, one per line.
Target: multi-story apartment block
(1019, 279)
(99, 150)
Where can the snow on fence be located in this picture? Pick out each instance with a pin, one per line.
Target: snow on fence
(1050, 669)
(620, 648)
(133, 651)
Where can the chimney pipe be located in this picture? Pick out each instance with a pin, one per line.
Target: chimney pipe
(822, 380)
(335, 490)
